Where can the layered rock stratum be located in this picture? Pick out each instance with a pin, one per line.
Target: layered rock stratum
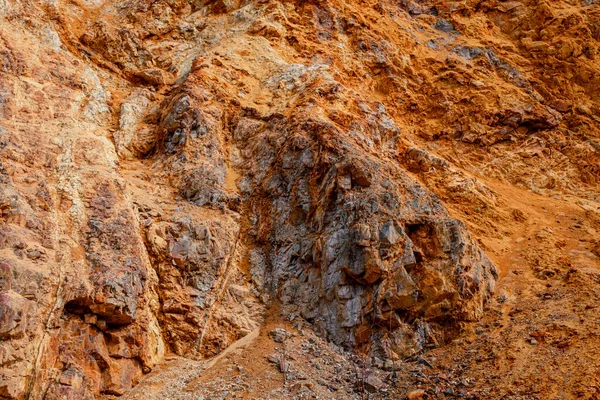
(415, 183)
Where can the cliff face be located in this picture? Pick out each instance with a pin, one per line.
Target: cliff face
(173, 169)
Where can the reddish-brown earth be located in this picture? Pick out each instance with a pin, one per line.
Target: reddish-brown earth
(299, 199)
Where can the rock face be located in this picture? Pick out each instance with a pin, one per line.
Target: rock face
(354, 244)
(170, 169)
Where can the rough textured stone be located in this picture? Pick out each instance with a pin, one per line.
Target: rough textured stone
(304, 156)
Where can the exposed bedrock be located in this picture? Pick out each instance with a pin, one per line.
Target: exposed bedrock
(170, 170)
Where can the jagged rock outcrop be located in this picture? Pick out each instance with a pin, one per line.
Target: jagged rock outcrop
(170, 169)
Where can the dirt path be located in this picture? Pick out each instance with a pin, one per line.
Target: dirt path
(171, 380)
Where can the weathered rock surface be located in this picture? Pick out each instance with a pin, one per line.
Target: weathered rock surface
(171, 169)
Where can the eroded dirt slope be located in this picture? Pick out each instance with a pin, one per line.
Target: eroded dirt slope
(407, 191)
